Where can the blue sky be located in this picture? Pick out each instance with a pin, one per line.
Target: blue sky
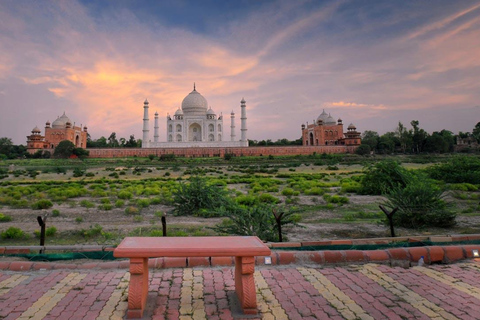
(373, 63)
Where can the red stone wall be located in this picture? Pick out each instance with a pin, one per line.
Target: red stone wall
(220, 152)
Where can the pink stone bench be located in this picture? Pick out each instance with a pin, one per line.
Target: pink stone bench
(139, 249)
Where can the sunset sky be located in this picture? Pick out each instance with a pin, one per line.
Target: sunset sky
(373, 63)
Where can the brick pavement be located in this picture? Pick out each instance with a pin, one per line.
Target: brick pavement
(368, 291)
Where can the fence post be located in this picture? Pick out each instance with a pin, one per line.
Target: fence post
(42, 223)
(390, 218)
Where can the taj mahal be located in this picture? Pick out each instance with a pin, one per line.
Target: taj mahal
(195, 125)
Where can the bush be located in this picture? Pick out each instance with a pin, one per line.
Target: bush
(93, 231)
(42, 204)
(363, 149)
(78, 219)
(13, 233)
(190, 198)
(253, 221)
(50, 231)
(87, 204)
(383, 176)
(131, 210)
(55, 213)
(125, 195)
(458, 170)
(5, 218)
(105, 206)
(420, 204)
(119, 203)
(288, 192)
(268, 198)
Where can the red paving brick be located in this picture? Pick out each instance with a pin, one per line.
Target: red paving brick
(300, 292)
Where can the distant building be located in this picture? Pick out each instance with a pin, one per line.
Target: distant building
(325, 131)
(61, 129)
(195, 125)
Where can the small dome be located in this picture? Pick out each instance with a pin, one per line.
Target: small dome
(330, 120)
(179, 112)
(146, 101)
(323, 116)
(243, 100)
(351, 126)
(210, 111)
(35, 130)
(194, 103)
(61, 122)
(156, 114)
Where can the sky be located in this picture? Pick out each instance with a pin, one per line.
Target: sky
(370, 63)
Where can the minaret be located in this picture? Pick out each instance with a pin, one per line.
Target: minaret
(145, 124)
(244, 121)
(155, 131)
(232, 126)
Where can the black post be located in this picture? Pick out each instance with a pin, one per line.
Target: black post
(164, 226)
(278, 219)
(42, 223)
(390, 218)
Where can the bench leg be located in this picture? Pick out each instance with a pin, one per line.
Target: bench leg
(138, 289)
(245, 284)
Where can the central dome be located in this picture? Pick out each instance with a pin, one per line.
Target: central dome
(194, 103)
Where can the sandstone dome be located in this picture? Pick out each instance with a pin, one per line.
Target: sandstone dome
(194, 103)
(323, 116)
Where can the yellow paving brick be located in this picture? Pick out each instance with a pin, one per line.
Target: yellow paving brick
(267, 304)
(7, 284)
(450, 281)
(49, 300)
(348, 308)
(115, 298)
(420, 303)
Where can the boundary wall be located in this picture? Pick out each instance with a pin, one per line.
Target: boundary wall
(219, 151)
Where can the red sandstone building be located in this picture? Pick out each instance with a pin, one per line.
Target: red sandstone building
(61, 129)
(325, 131)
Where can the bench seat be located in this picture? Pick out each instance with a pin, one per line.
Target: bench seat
(139, 249)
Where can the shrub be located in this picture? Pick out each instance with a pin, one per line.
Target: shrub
(246, 200)
(90, 174)
(253, 221)
(288, 192)
(5, 218)
(190, 198)
(131, 210)
(335, 199)
(50, 231)
(383, 176)
(420, 204)
(458, 170)
(93, 231)
(119, 203)
(138, 219)
(125, 195)
(55, 213)
(143, 203)
(87, 204)
(42, 204)
(78, 219)
(105, 206)
(78, 172)
(13, 233)
(268, 198)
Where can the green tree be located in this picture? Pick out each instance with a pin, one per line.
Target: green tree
(404, 136)
(370, 138)
(199, 198)
(387, 143)
(64, 149)
(131, 143)
(112, 140)
(419, 137)
(420, 204)
(383, 176)
(6, 146)
(363, 149)
(476, 132)
(81, 153)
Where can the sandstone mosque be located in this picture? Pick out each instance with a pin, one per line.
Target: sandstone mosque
(325, 131)
(195, 125)
(61, 129)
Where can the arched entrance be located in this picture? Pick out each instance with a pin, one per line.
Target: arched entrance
(77, 142)
(195, 132)
(311, 139)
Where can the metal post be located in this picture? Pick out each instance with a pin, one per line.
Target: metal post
(42, 223)
(390, 218)
(164, 226)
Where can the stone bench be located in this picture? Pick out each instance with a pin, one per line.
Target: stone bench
(139, 249)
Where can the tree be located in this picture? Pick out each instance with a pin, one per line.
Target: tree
(64, 149)
(476, 132)
(436, 143)
(419, 137)
(81, 153)
(370, 138)
(5, 146)
(387, 143)
(131, 143)
(404, 136)
(363, 149)
(383, 176)
(112, 140)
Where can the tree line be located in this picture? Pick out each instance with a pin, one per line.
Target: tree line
(113, 142)
(414, 140)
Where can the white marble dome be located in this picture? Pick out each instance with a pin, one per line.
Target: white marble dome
(61, 122)
(210, 111)
(330, 120)
(323, 116)
(194, 103)
(179, 112)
